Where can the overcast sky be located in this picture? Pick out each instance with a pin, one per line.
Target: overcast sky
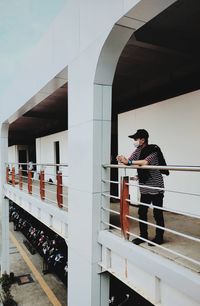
(22, 24)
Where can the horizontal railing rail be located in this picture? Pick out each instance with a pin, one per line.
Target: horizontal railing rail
(172, 167)
(36, 164)
(126, 212)
(47, 181)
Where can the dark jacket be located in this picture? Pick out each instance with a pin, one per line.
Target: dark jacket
(144, 174)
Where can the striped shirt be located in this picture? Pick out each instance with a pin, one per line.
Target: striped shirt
(155, 178)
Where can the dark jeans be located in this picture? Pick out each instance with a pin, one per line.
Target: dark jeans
(156, 200)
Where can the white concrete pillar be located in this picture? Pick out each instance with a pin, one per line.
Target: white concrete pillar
(86, 145)
(4, 203)
(89, 112)
(89, 147)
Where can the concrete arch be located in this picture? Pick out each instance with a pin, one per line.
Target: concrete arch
(107, 62)
(110, 54)
(140, 13)
(133, 19)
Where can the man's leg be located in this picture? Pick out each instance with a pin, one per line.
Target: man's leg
(157, 200)
(142, 212)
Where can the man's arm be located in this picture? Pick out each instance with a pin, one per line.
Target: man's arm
(129, 162)
(142, 162)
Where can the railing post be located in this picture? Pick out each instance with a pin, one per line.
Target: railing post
(59, 190)
(7, 175)
(42, 185)
(124, 206)
(13, 176)
(20, 178)
(29, 182)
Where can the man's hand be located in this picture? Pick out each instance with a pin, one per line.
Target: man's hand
(134, 178)
(118, 158)
(122, 159)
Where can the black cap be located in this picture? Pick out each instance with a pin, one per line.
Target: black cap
(140, 134)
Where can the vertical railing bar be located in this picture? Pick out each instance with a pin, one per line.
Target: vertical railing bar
(59, 189)
(42, 185)
(20, 178)
(7, 174)
(13, 176)
(124, 206)
(29, 182)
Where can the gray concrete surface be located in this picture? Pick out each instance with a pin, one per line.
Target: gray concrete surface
(32, 294)
(180, 223)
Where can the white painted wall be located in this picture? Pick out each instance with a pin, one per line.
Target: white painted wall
(45, 153)
(173, 125)
(13, 154)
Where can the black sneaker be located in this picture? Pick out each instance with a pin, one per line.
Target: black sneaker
(157, 240)
(138, 241)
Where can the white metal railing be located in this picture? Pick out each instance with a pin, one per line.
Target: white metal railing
(128, 216)
(172, 167)
(47, 181)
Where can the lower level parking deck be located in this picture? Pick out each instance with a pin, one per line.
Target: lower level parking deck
(31, 287)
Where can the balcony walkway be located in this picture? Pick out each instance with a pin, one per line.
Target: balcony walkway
(180, 223)
(50, 192)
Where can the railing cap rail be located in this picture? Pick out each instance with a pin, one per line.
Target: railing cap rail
(169, 167)
(35, 164)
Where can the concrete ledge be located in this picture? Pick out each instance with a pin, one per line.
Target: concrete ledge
(130, 261)
(50, 215)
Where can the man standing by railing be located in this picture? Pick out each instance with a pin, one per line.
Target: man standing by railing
(146, 154)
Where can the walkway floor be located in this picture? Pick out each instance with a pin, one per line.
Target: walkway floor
(45, 289)
(180, 223)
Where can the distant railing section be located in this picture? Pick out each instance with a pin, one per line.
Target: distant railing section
(125, 214)
(47, 181)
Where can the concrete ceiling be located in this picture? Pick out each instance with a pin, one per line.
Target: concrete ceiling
(48, 117)
(161, 60)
